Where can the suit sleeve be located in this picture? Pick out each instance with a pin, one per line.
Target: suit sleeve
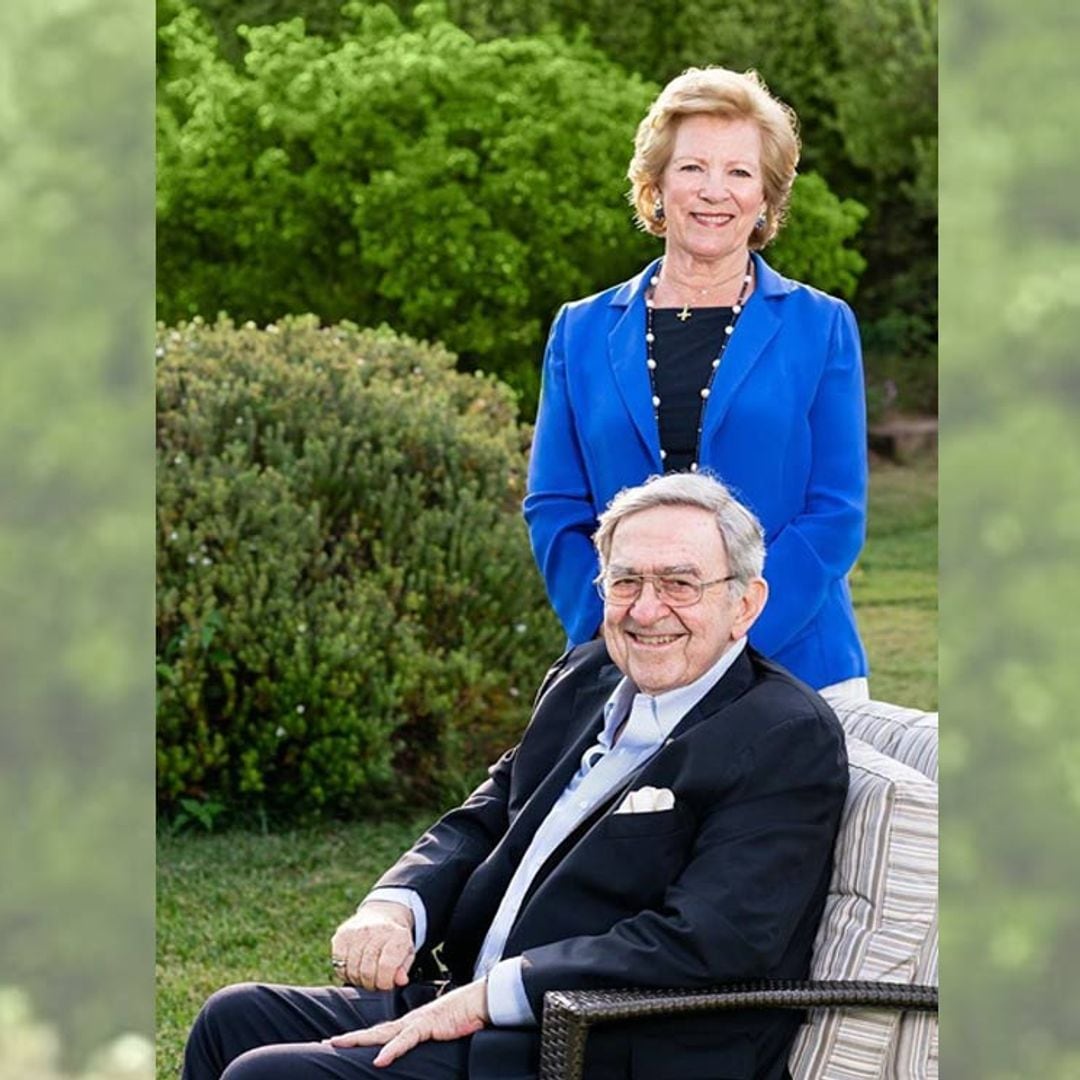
(559, 506)
(761, 856)
(820, 545)
(438, 865)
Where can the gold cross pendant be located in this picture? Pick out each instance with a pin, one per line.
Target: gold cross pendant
(684, 314)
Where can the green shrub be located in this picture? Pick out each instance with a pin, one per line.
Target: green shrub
(457, 190)
(810, 247)
(349, 619)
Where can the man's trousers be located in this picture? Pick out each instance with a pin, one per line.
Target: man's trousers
(256, 1031)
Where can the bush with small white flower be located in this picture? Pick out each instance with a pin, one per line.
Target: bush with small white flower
(348, 609)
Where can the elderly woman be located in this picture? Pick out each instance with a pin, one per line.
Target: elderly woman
(709, 359)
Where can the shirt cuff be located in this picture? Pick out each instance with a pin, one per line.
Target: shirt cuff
(410, 899)
(507, 1002)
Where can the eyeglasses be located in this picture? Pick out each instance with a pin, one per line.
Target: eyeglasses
(673, 591)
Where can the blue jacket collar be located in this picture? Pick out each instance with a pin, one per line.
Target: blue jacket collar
(631, 290)
(626, 351)
(770, 284)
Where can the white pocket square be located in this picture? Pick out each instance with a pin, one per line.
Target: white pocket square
(647, 800)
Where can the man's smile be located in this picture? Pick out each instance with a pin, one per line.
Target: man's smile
(652, 641)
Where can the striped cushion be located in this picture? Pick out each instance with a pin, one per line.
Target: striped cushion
(917, 1038)
(880, 914)
(909, 735)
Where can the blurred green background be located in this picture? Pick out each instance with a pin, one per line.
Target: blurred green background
(76, 527)
(1010, 522)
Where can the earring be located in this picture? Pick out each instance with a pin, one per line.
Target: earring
(762, 221)
(658, 209)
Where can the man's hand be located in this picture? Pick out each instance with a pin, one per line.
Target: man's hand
(377, 945)
(459, 1013)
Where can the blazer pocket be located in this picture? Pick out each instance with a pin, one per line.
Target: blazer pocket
(644, 823)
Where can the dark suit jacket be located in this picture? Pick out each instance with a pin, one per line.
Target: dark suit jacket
(728, 885)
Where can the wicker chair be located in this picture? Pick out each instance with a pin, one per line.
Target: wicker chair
(895, 777)
(569, 1015)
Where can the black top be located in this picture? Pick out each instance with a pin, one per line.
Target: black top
(684, 352)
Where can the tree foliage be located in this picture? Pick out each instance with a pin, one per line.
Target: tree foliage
(810, 247)
(885, 94)
(458, 190)
(76, 254)
(862, 77)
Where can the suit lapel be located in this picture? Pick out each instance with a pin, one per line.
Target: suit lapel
(586, 720)
(626, 355)
(756, 328)
(735, 682)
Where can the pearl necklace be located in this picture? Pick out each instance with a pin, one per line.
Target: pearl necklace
(650, 360)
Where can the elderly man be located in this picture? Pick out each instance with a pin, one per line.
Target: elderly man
(667, 820)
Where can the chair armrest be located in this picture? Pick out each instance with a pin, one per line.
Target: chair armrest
(568, 1014)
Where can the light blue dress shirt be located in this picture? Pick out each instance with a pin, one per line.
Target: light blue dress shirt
(607, 764)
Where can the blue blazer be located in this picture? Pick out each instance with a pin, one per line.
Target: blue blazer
(784, 428)
(726, 886)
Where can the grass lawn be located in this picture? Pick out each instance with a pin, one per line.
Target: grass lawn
(238, 905)
(895, 584)
(241, 905)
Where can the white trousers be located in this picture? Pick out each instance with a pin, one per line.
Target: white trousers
(848, 690)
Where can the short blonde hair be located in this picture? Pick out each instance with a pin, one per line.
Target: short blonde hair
(716, 91)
